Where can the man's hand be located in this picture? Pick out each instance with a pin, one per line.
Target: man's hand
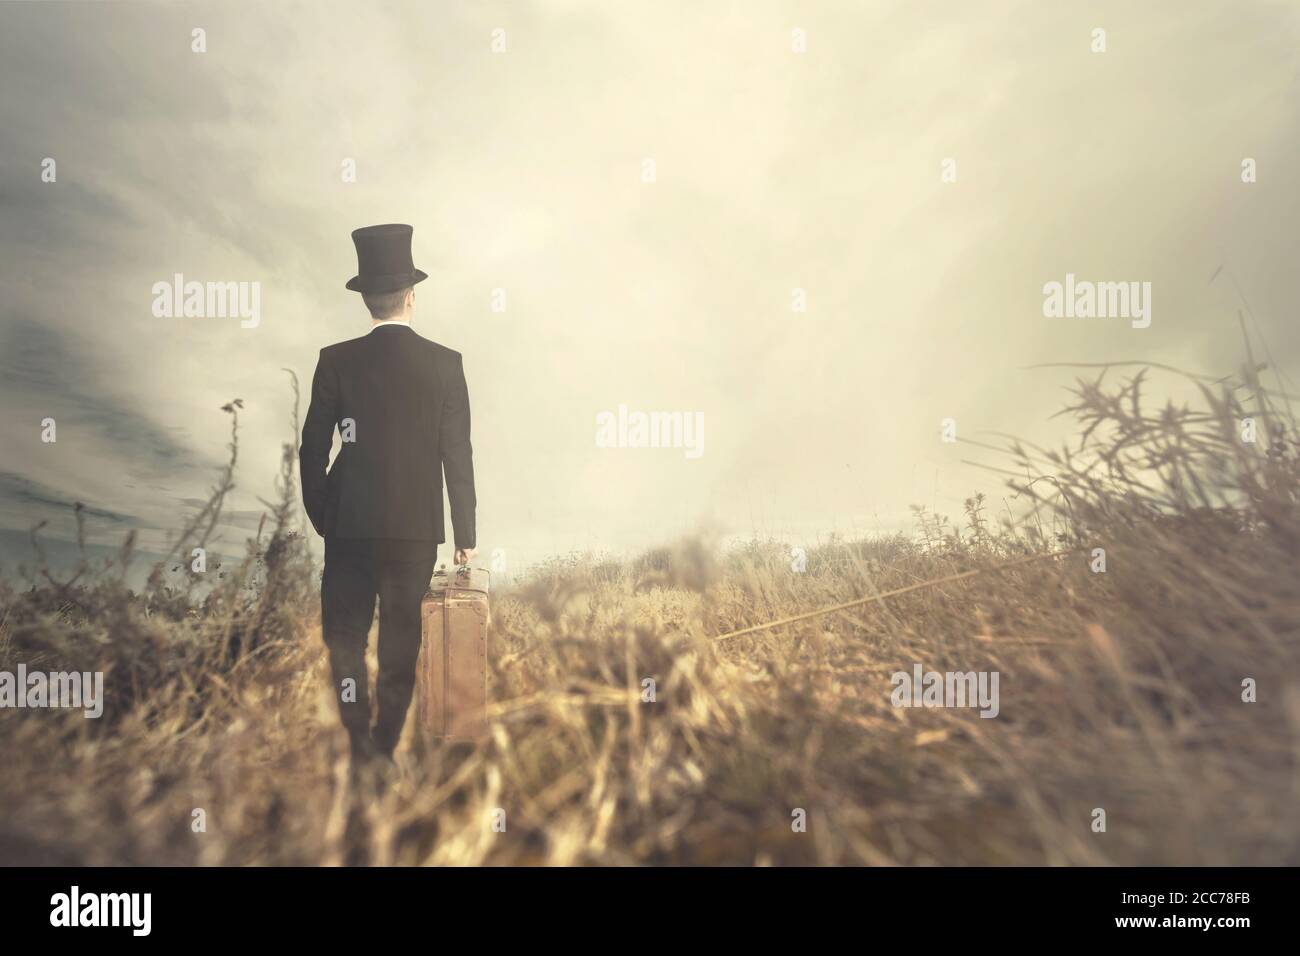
(463, 555)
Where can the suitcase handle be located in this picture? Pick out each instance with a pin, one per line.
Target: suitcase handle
(462, 570)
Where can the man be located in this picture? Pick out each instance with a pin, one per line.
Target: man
(402, 409)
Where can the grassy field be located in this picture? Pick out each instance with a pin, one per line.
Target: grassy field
(1120, 690)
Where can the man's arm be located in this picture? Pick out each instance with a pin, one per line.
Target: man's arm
(458, 460)
(317, 437)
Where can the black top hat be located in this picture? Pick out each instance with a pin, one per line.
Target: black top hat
(384, 259)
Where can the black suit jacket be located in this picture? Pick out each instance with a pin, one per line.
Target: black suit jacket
(405, 400)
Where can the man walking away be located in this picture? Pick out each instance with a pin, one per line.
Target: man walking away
(401, 406)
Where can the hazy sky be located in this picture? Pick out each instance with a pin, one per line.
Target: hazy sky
(523, 171)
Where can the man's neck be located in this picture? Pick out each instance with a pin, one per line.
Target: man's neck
(396, 320)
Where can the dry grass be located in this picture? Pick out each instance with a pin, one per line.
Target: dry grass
(1120, 690)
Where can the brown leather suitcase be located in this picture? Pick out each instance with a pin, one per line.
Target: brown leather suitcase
(451, 672)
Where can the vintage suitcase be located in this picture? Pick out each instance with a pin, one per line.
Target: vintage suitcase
(451, 673)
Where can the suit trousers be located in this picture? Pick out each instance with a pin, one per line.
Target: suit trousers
(357, 571)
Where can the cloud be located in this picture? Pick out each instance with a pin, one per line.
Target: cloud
(41, 370)
(21, 491)
(521, 171)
